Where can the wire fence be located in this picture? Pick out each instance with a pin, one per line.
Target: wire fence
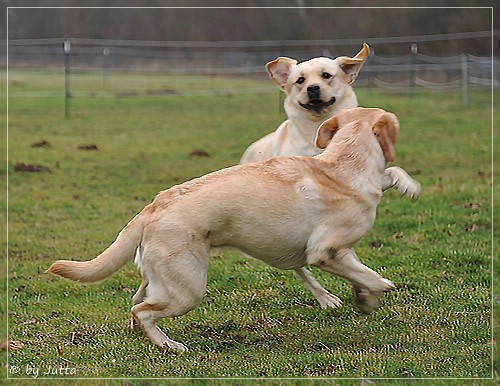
(112, 58)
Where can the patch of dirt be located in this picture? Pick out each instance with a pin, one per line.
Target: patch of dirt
(31, 168)
(199, 153)
(88, 147)
(41, 143)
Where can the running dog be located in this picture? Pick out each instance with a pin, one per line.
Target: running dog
(289, 212)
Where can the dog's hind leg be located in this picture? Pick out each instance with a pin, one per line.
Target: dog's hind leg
(138, 298)
(171, 300)
(367, 283)
(176, 284)
(325, 298)
(146, 314)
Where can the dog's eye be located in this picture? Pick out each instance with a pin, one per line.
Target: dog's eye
(300, 80)
(326, 75)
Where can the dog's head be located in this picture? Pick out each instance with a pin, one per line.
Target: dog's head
(317, 84)
(382, 124)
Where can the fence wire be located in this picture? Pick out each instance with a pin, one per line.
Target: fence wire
(107, 58)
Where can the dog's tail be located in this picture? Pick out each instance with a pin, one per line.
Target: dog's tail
(112, 259)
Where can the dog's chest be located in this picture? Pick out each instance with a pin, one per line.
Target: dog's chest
(296, 140)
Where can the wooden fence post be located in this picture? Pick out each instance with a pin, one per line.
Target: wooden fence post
(413, 72)
(67, 72)
(465, 79)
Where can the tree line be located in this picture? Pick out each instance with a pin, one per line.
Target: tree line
(254, 23)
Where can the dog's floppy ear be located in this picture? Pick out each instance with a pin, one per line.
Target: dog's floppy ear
(352, 66)
(326, 131)
(386, 129)
(279, 70)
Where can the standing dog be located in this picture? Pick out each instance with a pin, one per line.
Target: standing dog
(287, 211)
(315, 90)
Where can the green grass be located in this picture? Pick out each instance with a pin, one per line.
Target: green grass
(30, 83)
(255, 321)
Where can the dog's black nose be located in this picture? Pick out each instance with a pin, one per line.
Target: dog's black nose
(313, 91)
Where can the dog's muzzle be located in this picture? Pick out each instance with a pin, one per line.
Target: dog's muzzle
(317, 105)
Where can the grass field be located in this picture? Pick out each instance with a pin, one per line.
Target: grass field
(254, 321)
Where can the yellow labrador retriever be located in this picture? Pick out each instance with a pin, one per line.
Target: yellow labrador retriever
(316, 90)
(289, 212)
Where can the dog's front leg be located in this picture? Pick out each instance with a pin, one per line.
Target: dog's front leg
(397, 178)
(325, 298)
(367, 283)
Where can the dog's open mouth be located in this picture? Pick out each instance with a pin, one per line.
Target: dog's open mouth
(317, 105)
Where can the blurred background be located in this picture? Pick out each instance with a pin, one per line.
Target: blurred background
(121, 51)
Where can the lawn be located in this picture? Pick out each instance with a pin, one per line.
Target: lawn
(108, 160)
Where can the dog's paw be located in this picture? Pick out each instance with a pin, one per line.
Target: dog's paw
(326, 299)
(173, 345)
(387, 285)
(366, 301)
(410, 189)
(397, 178)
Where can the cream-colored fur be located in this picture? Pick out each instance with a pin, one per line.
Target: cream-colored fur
(289, 212)
(315, 91)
